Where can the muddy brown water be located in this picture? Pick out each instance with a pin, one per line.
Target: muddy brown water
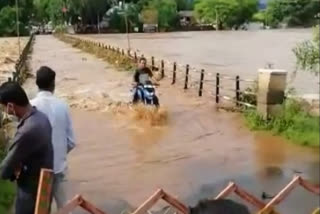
(227, 52)
(9, 54)
(118, 162)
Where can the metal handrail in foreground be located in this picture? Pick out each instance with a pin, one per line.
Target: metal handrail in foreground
(183, 209)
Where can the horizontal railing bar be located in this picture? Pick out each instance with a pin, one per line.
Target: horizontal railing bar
(246, 104)
(247, 80)
(247, 92)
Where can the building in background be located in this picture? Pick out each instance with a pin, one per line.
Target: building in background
(263, 4)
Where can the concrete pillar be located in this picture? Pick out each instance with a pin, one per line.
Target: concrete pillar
(271, 88)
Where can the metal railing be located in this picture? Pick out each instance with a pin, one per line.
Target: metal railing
(213, 84)
(261, 206)
(20, 66)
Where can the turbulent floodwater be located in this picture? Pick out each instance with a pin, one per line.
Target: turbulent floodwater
(9, 54)
(228, 52)
(119, 162)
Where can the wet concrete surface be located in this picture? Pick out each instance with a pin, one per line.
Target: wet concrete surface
(228, 52)
(119, 162)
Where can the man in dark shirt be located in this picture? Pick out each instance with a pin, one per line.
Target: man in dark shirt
(143, 77)
(31, 149)
(143, 73)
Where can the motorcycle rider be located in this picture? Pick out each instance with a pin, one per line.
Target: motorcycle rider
(143, 77)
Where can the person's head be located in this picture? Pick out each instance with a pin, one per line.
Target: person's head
(14, 99)
(142, 62)
(46, 79)
(219, 206)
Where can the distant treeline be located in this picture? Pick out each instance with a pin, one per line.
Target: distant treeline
(223, 14)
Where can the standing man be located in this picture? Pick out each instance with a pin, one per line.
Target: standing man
(62, 131)
(31, 149)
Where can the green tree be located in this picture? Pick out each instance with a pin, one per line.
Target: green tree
(292, 13)
(245, 11)
(7, 21)
(259, 17)
(42, 10)
(55, 11)
(8, 24)
(94, 10)
(50, 10)
(184, 4)
(90, 11)
(224, 13)
(8, 16)
(167, 13)
(26, 8)
(117, 21)
(308, 54)
(117, 17)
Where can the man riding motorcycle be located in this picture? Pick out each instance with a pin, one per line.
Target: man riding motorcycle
(144, 85)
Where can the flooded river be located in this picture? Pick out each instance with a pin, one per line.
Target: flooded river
(228, 52)
(9, 55)
(119, 162)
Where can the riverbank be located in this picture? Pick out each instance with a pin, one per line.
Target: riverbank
(295, 123)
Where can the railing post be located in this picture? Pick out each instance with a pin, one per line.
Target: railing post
(14, 76)
(135, 57)
(162, 69)
(174, 73)
(201, 82)
(43, 199)
(187, 78)
(237, 90)
(217, 87)
(152, 63)
(122, 52)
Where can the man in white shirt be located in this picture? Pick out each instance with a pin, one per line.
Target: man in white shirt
(62, 132)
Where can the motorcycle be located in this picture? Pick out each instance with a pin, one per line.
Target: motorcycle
(146, 94)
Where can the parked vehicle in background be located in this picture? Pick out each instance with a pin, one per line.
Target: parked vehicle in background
(150, 28)
(48, 28)
(35, 30)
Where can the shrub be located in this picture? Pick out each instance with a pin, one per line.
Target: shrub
(7, 192)
(294, 123)
(307, 53)
(8, 25)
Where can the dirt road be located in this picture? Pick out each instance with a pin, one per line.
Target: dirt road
(200, 149)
